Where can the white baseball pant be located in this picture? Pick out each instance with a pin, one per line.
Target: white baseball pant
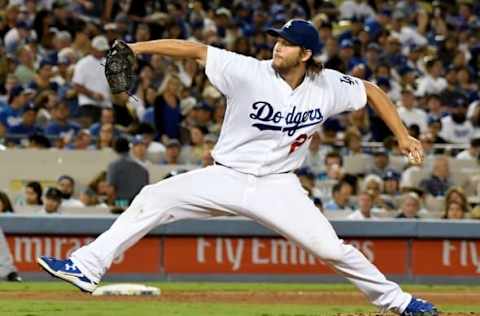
(276, 201)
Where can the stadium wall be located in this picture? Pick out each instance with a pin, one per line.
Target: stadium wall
(427, 251)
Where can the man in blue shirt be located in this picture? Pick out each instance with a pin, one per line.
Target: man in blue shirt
(61, 126)
(18, 98)
(107, 117)
(27, 125)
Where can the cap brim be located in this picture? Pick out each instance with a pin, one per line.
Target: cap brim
(279, 33)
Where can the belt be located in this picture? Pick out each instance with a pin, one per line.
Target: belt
(221, 164)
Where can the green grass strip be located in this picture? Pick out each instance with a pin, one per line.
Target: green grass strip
(232, 287)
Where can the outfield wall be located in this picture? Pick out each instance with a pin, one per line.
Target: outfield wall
(427, 251)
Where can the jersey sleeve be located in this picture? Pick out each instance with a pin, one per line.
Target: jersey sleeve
(348, 91)
(228, 71)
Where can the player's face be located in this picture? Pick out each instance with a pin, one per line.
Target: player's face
(286, 55)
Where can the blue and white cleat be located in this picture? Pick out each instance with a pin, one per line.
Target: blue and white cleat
(67, 271)
(419, 307)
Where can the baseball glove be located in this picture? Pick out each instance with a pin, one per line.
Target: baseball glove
(120, 67)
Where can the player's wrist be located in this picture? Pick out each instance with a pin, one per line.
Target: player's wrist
(135, 47)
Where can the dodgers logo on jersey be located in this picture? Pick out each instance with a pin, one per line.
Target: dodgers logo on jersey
(293, 121)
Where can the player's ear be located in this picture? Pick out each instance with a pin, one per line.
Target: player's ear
(306, 54)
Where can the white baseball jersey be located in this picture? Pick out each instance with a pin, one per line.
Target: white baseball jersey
(268, 125)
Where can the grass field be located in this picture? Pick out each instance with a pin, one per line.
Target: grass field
(219, 299)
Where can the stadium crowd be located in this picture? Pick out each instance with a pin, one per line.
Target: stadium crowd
(425, 55)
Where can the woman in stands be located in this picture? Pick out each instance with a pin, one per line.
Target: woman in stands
(32, 195)
(5, 204)
(455, 210)
(456, 194)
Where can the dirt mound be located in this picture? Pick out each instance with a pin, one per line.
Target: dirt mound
(246, 297)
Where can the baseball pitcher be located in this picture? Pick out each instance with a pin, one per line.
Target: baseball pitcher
(273, 109)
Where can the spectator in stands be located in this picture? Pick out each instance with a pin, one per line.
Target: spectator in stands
(211, 96)
(355, 9)
(341, 193)
(316, 154)
(439, 182)
(409, 112)
(25, 70)
(472, 153)
(374, 185)
(465, 83)
(155, 150)
(52, 201)
(455, 210)
(194, 152)
(100, 186)
(27, 125)
(17, 100)
(167, 107)
(333, 160)
(457, 195)
(172, 152)
(82, 141)
(138, 150)
(106, 137)
(334, 172)
(210, 141)
(455, 127)
(16, 37)
(5, 204)
(391, 189)
(107, 117)
(434, 128)
(218, 117)
(45, 102)
(381, 163)
(410, 206)
(365, 208)
(353, 142)
(42, 81)
(38, 141)
(89, 198)
(307, 180)
(62, 126)
(91, 84)
(432, 81)
(385, 84)
(32, 195)
(204, 113)
(125, 176)
(66, 186)
(435, 107)
(359, 119)
(427, 142)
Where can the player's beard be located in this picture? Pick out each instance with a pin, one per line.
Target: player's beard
(286, 64)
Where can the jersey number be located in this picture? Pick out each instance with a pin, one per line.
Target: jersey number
(299, 141)
(348, 80)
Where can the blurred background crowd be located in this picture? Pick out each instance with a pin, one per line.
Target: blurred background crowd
(423, 54)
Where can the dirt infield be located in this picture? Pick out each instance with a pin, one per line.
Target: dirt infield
(320, 298)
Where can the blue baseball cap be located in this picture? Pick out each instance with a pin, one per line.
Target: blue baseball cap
(384, 81)
(391, 175)
(138, 139)
(346, 43)
(299, 32)
(29, 107)
(305, 172)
